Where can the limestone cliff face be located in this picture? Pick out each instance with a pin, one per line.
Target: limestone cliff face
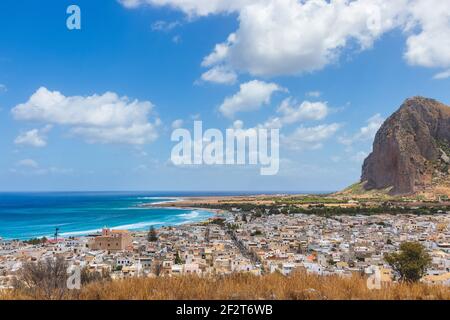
(411, 149)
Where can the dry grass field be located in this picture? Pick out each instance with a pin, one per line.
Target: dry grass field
(299, 286)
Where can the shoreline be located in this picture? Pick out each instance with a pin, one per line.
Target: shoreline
(196, 202)
(160, 204)
(215, 206)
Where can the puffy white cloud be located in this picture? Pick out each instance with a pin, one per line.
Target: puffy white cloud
(220, 52)
(442, 75)
(291, 112)
(305, 111)
(238, 124)
(35, 137)
(97, 110)
(430, 46)
(131, 3)
(192, 7)
(135, 134)
(272, 123)
(301, 139)
(282, 37)
(365, 133)
(292, 37)
(105, 118)
(220, 75)
(251, 96)
(177, 123)
(310, 137)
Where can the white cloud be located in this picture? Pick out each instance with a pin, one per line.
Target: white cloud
(165, 26)
(365, 133)
(373, 124)
(176, 39)
(220, 75)
(251, 96)
(430, 47)
(32, 167)
(135, 134)
(310, 137)
(3, 88)
(35, 137)
(292, 37)
(28, 163)
(272, 123)
(305, 111)
(283, 37)
(131, 3)
(105, 118)
(442, 75)
(314, 94)
(220, 52)
(302, 138)
(191, 7)
(359, 157)
(238, 124)
(291, 112)
(177, 124)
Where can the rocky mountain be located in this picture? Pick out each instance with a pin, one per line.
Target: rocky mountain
(411, 151)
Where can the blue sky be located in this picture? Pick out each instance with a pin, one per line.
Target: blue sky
(336, 84)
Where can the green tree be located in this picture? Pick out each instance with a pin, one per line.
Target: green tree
(411, 262)
(178, 259)
(152, 236)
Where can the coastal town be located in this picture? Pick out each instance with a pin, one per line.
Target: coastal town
(241, 241)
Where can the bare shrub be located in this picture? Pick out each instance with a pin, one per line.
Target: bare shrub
(45, 279)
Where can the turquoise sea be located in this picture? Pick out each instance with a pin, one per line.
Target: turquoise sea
(29, 215)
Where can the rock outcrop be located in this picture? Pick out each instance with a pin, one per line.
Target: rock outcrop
(411, 149)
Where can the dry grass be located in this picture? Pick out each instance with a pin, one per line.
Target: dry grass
(299, 286)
